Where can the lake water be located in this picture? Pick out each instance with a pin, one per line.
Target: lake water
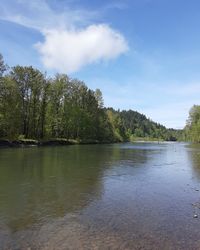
(120, 196)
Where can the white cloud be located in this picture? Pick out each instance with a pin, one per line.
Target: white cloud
(71, 41)
(70, 50)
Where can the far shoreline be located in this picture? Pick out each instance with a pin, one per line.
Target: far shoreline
(5, 143)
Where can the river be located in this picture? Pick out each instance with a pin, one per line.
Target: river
(117, 196)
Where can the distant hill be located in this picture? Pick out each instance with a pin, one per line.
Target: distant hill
(137, 125)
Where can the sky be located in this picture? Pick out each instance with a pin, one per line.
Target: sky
(142, 54)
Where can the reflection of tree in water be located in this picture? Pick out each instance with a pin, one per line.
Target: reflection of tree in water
(48, 182)
(194, 156)
(42, 190)
(42, 183)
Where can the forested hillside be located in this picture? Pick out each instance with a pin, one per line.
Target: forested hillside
(35, 106)
(133, 125)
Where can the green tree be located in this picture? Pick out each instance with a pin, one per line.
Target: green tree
(99, 97)
(30, 83)
(193, 124)
(35, 106)
(3, 66)
(9, 109)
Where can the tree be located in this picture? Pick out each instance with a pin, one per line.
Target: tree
(3, 67)
(9, 109)
(58, 90)
(193, 124)
(99, 97)
(30, 83)
(35, 106)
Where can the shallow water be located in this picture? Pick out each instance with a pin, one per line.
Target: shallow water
(121, 196)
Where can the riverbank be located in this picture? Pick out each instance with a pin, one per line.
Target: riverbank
(146, 139)
(51, 142)
(64, 142)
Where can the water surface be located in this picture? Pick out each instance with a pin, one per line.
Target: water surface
(121, 196)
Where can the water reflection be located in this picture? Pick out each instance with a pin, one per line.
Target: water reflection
(36, 184)
(121, 196)
(193, 151)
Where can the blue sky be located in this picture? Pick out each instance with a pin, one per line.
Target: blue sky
(142, 54)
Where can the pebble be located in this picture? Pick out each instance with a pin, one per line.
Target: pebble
(195, 216)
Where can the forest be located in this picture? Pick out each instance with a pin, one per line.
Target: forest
(35, 106)
(192, 128)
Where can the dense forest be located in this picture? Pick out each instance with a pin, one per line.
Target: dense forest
(192, 128)
(35, 106)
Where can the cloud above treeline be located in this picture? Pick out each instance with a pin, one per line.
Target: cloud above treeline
(71, 40)
(70, 50)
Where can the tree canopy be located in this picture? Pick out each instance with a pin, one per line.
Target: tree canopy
(35, 106)
(192, 129)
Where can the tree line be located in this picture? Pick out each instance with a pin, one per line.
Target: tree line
(192, 128)
(35, 106)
